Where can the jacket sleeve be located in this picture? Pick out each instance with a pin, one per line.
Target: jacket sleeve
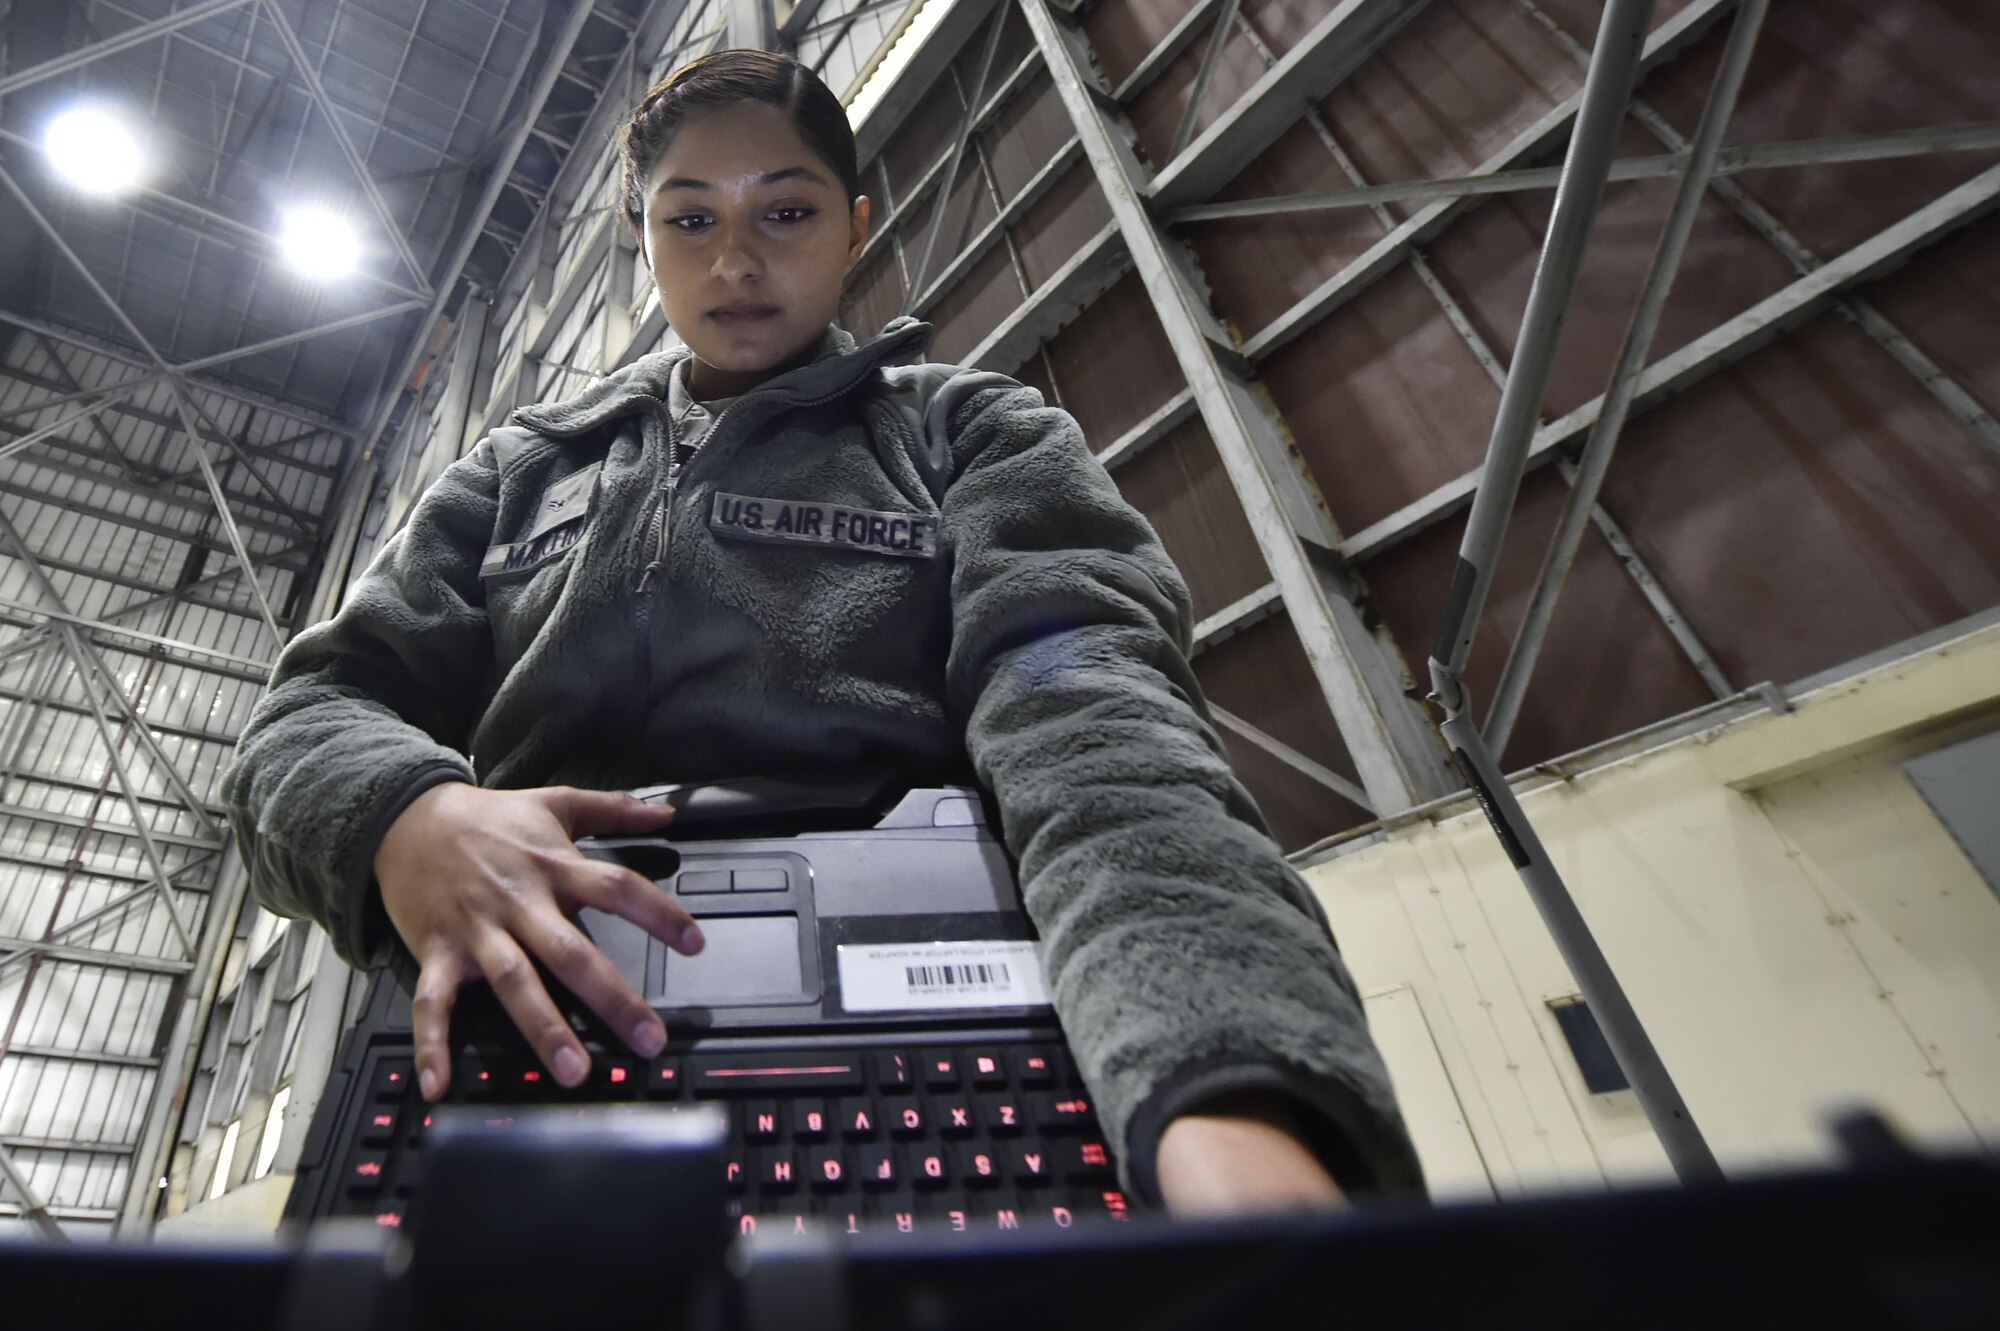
(1186, 959)
(365, 712)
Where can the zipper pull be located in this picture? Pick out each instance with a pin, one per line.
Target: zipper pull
(659, 561)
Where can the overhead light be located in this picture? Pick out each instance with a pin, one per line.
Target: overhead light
(95, 149)
(320, 243)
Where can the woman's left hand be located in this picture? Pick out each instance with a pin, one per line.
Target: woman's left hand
(1241, 1155)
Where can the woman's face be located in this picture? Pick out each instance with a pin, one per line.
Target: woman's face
(748, 236)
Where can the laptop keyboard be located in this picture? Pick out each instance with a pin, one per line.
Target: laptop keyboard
(966, 1137)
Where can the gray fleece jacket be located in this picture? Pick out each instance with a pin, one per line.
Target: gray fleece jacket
(966, 596)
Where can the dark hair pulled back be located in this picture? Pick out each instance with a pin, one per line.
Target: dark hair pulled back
(723, 78)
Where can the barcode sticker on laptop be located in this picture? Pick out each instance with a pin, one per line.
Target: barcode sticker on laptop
(918, 977)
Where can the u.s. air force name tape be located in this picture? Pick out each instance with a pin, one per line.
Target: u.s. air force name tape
(807, 522)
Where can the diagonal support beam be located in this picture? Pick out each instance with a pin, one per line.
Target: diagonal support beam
(1350, 32)
(1291, 757)
(1673, 36)
(1395, 751)
(1729, 342)
(123, 41)
(943, 204)
(162, 883)
(32, 1205)
(317, 90)
(65, 623)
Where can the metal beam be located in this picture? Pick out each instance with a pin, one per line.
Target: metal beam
(1948, 392)
(1185, 32)
(1731, 341)
(1928, 142)
(1217, 39)
(889, 225)
(269, 406)
(1397, 757)
(117, 630)
(65, 1144)
(1595, 462)
(123, 41)
(76, 823)
(1679, 31)
(197, 997)
(83, 1056)
(950, 177)
(275, 15)
(93, 956)
(32, 1205)
(1238, 615)
(503, 166)
(1098, 263)
(150, 851)
(1337, 45)
(1649, 586)
(1291, 757)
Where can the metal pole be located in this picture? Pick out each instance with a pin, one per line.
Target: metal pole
(1595, 461)
(1607, 89)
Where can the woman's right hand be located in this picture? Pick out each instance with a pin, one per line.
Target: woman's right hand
(475, 880)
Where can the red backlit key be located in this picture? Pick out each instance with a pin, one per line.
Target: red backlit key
(475, 1077)
(393, 1078)
(613, 1078)
(857, 1120)
(1060, 1111)
(1105, 1203)
(893, 1071)
(940, 1069)
(738, 1074)
(905, 1117)
(985, 1066)
(760, 1121)
(734, 1176)
(809, 1120)
(1034, 1066)
(826, 1169)
(877, 1168)
(954, 1116)
(365, 1171)
(663, 1077)
(378, 1125)
(1084, 1161)
(1029, 1162)
(978, 1165)
(929, 1168)
(778, 1170)
(1001, 1115)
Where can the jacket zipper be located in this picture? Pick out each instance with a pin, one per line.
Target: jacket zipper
(659, 528)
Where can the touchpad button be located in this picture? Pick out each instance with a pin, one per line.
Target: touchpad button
(745, 957)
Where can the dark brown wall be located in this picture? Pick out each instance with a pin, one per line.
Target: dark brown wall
(1807, 504)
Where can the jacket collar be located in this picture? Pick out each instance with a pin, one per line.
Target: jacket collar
(837, 364)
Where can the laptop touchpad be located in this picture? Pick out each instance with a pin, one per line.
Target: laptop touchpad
(746, 957)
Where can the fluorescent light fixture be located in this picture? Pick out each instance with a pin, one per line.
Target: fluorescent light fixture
(95, 149)
(319, 242)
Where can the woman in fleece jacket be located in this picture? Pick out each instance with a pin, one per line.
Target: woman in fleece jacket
(936, 576)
